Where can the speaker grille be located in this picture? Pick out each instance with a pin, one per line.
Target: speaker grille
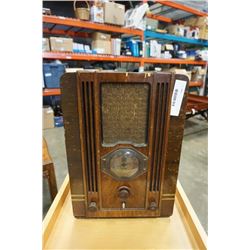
(160, 114)
(89, 135)
(124, 109)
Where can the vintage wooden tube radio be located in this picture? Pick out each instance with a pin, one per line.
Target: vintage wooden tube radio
(123, 147)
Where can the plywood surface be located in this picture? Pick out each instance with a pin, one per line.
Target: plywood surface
(141, 233)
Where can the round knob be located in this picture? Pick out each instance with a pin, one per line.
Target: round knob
(92, 206)
(153, 205)
(123, 193)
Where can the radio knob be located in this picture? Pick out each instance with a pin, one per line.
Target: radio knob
(92, 206)
(123, 193)
(153, 205)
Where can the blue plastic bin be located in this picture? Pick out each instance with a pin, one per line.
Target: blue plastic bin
(52, 73)
(134, 47)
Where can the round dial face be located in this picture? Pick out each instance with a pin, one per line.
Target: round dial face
(124, 164)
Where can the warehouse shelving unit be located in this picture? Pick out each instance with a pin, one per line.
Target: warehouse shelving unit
(76, 27)
(58, 25)
(141, 60)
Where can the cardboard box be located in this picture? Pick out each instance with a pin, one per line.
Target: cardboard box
(201, 21)
(180, 71)
(46, 44)
(203, 33)
(97, 14)
(114, 13)
(190, 21)
(196, 21)
(177, 30)
(48, 117)
(61, 44)
(101, 43)
(101, 36)
(101, 46)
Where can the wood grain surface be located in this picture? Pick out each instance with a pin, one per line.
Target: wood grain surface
(151, 194)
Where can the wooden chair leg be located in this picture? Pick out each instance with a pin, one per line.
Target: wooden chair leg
(52, 181)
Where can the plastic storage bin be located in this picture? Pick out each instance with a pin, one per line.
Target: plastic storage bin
(134, 47)
(52, 73)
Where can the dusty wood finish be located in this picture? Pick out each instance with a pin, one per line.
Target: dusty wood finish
(173, 152)
(145, 194)
(49, 171)
(63, 231)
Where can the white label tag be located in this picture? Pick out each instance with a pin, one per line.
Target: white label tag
(179, 89)
(48, 74)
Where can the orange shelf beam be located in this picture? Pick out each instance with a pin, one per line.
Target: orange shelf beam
(181, 7)
(50, 92)
(159, 18)
(89, 25)
(195, 84)
(172, 61)
(66, 33)
(89, 57)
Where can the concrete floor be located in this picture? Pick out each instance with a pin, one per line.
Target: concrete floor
(192, 173)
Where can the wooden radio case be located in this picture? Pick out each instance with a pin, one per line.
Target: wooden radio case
(123, 147)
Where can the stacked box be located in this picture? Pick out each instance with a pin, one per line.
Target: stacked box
(201, 23)
(101, 43)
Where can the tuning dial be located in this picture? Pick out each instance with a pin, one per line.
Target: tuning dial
(123, 193)
(92, 206)
(153, 205)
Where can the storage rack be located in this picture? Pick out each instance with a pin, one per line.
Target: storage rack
(58, 25)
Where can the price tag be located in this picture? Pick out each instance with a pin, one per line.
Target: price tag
(177, 97)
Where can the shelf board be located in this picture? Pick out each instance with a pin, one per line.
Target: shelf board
(77, 23)
(91, 57)
(163, 36)
(181, 7)
(50, 92)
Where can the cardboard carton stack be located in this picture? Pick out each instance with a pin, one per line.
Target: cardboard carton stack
(101, 43)
(201, 23)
